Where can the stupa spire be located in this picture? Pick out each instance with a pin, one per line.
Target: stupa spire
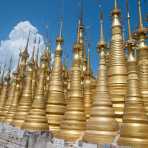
(56, 107)
(101, 127)
(134, 113)
(33, 51)
(129, 24)
(140, 15)
(12, 109)
(37, 54)
(36, 119)
(88, 87)
(101, 42)
(117, 79)
(142, 58)
(74, 114)
(26, 98)
(24, 56)
(25, 52)
(115, 4)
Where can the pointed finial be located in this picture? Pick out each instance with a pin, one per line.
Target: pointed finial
(61, 28)
(81, 12)
(10, 64)
(33, 51)
(101, 43)
(116, 11)
(27, 44)
(128, 17)
(140, 15)
(59, 39)
(37, 53)
(115, 2)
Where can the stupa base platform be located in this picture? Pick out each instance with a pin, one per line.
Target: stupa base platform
(12, 137)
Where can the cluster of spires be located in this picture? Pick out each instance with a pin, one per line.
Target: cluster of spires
(72, 104)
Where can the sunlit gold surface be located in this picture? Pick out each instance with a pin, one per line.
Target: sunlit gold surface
(12, 110)
(117, 74)
(134, 130)
(73, 124)
(101, 127)
(88, 90)
(56, 100)
(25, 100)
(36, 119)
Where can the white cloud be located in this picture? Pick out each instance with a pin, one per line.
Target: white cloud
(17, 40)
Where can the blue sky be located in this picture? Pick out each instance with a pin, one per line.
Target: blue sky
(41, 12)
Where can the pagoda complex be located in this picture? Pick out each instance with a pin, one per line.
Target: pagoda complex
(72, 103)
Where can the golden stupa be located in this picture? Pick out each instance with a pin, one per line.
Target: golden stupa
(134, 129)
(102, 126)
(10, 97)
(73, 123)
(143, 59)
(35, 68)
(88, 92)
(36, 119)
(117, 73)
(56, 100)
(12, 109)
(26, 96)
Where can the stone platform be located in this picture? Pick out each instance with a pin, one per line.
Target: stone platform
(11, 137)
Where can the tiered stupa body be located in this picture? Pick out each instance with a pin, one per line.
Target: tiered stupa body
(10, 98)
(36, 119)
(56, 99)
(134, 129)
(101, 127)
(26, 98)
(73, 124)
(117, 73)
(143, 60)
(12, 110)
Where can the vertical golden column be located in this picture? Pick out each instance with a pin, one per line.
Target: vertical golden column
(143, 60)
(56, 100)
(12, 110)
(36, 119)
(26, 98)
(101, 127)
(88, 92)
(73, 124)
(117, 73)
(10, 98)
(134, 130)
